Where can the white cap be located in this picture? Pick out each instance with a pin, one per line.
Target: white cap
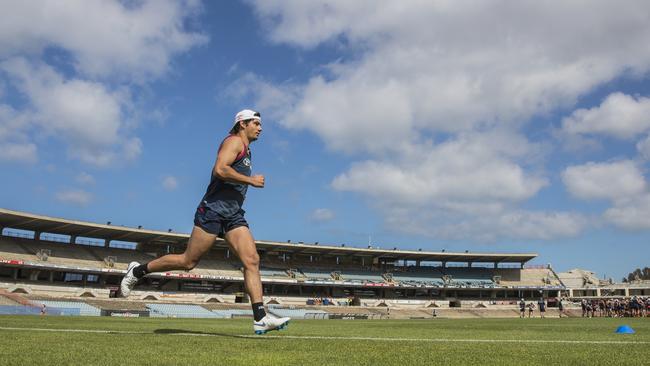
(247, 114)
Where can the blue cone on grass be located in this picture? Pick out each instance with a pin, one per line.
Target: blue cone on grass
(625, 329)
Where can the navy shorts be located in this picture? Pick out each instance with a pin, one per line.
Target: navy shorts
(217, 224)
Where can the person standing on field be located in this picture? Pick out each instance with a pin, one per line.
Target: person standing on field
(220, 214)
(542, 307)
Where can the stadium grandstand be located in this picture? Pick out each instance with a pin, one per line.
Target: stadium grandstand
(75, 267)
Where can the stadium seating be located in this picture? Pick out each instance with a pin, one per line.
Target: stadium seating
(122, 256)
(179, 311)
(219, 268)
(70, 308)
(314, 274)
(19, 310)
(527, 277)
(362, 276)
(470, 277)
(295, 313)
(418, 278)
(6, 301)
(233, 313)
(271, 272)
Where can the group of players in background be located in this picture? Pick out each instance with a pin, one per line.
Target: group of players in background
(613, 308)
(616, 308)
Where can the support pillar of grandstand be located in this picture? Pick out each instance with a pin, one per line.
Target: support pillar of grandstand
(627, 292)
(469, 264)
(37, 235)
(444, 264)
(598, 292)
(73, 239)
(14, 274)
(496, 265)
(51, 277)
(107, 243)
(521, 265)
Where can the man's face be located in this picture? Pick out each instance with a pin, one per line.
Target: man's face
(253, 129)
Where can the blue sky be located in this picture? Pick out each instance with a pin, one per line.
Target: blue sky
(433, 125)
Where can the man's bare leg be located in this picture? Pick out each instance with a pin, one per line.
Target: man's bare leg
(200, 243)
(241, 241)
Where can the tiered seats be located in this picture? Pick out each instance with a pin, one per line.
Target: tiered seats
(416, 279)
(59, 253)
(7, 301)
(114, 304)
(19, 310)
(418, 276)
(272, 272)
(233, 313)
(70, 308)
(218, 267)
(527, 277)
(472, 277)
(11, 249)
(122, 256)
(362, 276)
(179, 311)
(295, 313)
(315, 274)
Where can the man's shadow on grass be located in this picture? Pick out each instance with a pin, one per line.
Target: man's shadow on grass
(213, 334)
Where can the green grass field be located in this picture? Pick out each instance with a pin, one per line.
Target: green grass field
(33, 340)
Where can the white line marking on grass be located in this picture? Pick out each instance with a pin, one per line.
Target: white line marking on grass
(105, 331)
(377, 339)
(459, 340)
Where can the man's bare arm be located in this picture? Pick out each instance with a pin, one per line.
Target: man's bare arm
(223, 167)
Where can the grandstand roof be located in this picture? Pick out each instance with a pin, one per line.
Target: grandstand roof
(46, 224)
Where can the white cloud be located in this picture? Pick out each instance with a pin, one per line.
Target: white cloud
(487, 225)
(622, 183)
(170, 183)
(76, 197)
(86, 115)
(16, 152)
(113, 49)
(14, 142)
(630, 214)
(424, 71)
(133, 40)
(322, 214)
(619, 115)
(463, 188)
(85, 179)
(643, 147)
(604, 180)
(462, 73)
(471, 168)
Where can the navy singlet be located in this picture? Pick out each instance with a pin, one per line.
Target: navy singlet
(227, 198)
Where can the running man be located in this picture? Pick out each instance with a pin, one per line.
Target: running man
(220, 214)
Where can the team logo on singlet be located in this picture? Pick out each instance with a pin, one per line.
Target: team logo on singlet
(247, 162)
